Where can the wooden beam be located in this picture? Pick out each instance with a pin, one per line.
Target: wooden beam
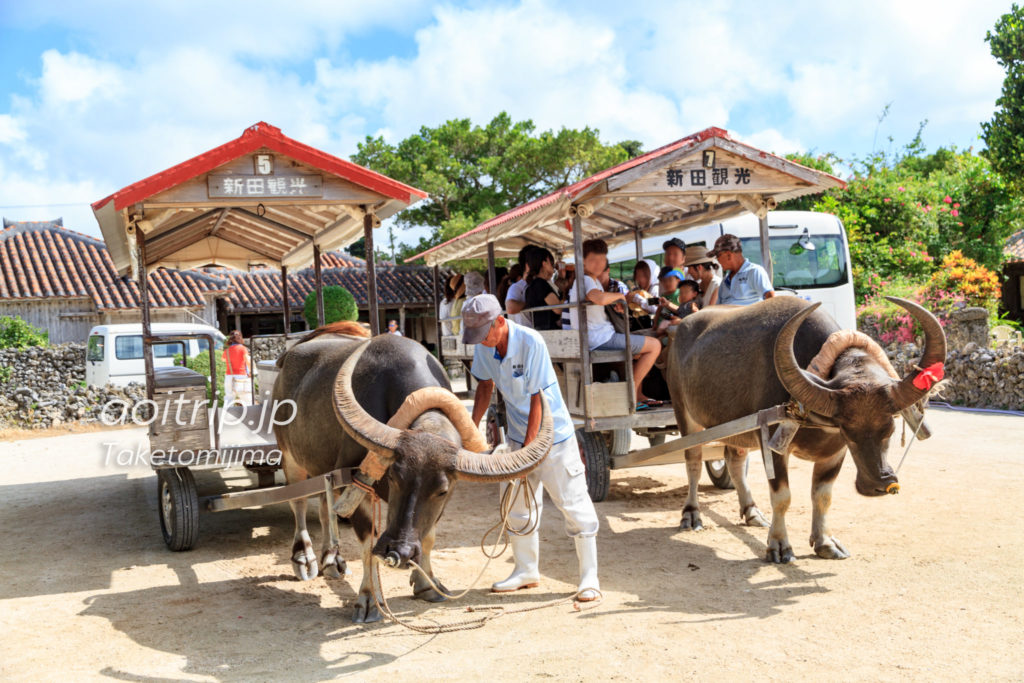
(155, 240)
(245, 244)
(220, 221)
(284, 301)
(318, 276)
(274, 224)
(371, 274)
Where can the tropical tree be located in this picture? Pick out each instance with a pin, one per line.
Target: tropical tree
(1004, 134)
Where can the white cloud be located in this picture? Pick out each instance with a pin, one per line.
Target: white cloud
(118, 108)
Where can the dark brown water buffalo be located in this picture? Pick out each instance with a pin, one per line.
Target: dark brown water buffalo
(390, 395)
(730, 361)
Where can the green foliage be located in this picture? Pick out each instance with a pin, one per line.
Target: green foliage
(5, 374)
(201, 364)
(16, 333)
(475, 172)
(960, 281)
(1004, 134)
(905, 212)
(339, 304)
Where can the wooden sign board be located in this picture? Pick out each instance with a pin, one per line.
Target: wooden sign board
(226, 186)
(730, 174)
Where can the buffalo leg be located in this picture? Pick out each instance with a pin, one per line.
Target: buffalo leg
(779, 549)
(366, 607)
(303, 557)
(736, 459)
(331, 561)
(691, 509)
(421, 588)
(824, 476)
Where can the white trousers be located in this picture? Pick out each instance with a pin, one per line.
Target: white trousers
(563, 474)
(237, 389)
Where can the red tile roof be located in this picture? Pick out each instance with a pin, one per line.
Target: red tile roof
(253, 138)
(43, 259)
(1014, 249)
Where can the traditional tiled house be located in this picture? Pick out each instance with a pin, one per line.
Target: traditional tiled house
(1013, 274)
(64, 282)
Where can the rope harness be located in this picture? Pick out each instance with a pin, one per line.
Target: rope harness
(503, 535)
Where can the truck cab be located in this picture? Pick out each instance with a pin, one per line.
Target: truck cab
(114, 352)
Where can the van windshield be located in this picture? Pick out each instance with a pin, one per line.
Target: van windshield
(825, 266)
(95, 349)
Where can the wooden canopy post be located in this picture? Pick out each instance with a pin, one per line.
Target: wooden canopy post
(766, 250)
(284, 300)
(371, 273)
(492, 276)
(587, 375)
(437, 311)
(147, 328)
(318, 276)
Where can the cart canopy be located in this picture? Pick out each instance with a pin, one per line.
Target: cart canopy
(261, 198)
(702, 178)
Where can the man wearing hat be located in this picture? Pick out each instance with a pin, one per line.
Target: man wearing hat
(675, 253)
(516, 359)
(745, 282)
(703, 269)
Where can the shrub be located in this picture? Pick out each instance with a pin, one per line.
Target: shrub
(201, 364)
(339, 304)
(959, 282)
(15, 333)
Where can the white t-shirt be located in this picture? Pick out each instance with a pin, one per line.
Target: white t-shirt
(599, 328)
(517, 292)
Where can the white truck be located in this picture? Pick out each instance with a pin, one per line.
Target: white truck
(114, 352)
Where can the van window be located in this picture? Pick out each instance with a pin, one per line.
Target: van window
(825, 266)
(95, 349)
(129, 347)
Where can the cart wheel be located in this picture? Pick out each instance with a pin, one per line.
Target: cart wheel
(179, 507)
(594, 454)
(719, 473)
(656, 439)
(619, 441)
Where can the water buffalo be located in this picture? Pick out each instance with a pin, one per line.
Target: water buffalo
(388, 395)
(730, 361)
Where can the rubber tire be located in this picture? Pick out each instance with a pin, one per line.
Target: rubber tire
(619, 441)
(722, 479)
(594, 453)
(656, 439)
(178, 508)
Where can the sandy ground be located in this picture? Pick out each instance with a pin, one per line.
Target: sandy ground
(932, 590)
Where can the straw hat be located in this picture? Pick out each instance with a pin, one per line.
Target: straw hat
(695, 255)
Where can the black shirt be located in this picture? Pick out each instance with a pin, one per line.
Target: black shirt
(536, 292)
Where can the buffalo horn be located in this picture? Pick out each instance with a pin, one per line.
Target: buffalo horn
(506, 466)
(905, 394)
(360, 425)
(798, 383)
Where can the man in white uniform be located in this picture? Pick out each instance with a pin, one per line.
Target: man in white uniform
(516, 359)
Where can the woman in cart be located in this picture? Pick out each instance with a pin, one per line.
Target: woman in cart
(539, 292)
(600, 332)
(237, 382)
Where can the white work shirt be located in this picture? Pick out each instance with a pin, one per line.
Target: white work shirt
(599, 328)
(517, 292)
(746, 286)
(524, 371)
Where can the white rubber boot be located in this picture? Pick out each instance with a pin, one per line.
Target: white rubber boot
(526, 552)
(586, 552)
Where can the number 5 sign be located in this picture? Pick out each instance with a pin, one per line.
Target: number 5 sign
(263, 163)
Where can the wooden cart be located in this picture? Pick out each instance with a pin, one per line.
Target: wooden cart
(262, 198)
(698, 180)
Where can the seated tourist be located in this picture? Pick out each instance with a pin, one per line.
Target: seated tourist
(601, 334)
(539, 292)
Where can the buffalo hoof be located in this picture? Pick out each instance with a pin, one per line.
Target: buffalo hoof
(334, 567)
(304, 566)
(779, 552)
(753, 517)
(691, 520)
(422, 590)
(829, 548)
(365, 611)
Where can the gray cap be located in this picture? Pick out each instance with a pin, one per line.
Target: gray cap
(474, 283)
(477, 315)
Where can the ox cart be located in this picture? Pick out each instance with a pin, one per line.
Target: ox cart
(261, 199)
(698, 180)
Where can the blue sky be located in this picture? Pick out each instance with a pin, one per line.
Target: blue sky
(95, 97)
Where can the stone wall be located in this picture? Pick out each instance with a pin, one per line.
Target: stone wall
(268, 348)
(44, 386)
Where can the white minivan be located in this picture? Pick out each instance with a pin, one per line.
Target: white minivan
(810, 255)
(114, 352)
